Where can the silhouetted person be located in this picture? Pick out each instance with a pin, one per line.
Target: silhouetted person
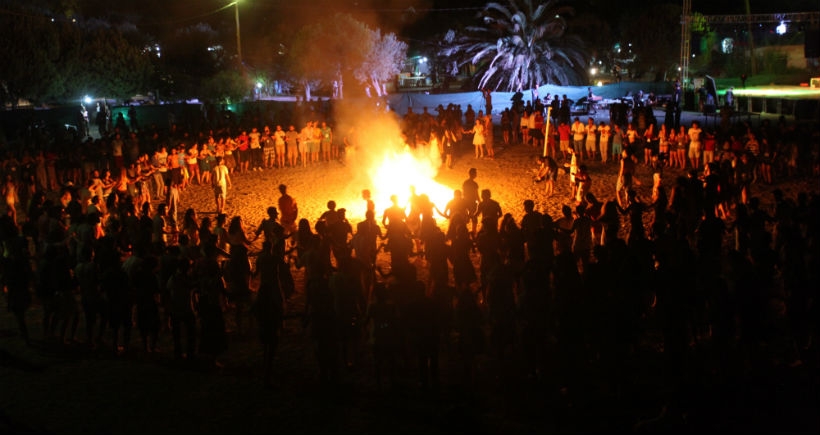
(268, 308)
(181, 288)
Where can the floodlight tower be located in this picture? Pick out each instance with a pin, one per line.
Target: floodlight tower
(751, 37)
(685, 33)
(238, 38)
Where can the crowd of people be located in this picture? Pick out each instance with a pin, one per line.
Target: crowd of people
(567, 294)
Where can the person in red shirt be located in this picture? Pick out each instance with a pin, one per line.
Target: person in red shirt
(288, 210)
(564, 133)
(243, 155)
(709, 145)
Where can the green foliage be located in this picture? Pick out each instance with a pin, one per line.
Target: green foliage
(31, 49)
(519, 45)
(225, 86)
(325, 51)
(108, 65)
(58, 61)
(305, 57)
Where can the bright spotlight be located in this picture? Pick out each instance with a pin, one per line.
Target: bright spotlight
(258, 85)
(87, 99)
(781, 29)
(593, 71)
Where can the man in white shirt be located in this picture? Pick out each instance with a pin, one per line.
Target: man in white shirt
(578, 131)
(592, 136)
(221, 181)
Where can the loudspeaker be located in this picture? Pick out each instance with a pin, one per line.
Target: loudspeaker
(812, 47)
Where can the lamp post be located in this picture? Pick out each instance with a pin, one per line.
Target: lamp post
(238, 38)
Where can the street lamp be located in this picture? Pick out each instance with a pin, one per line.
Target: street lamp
(238, 38)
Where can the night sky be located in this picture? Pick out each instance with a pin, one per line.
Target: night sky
(412, 18)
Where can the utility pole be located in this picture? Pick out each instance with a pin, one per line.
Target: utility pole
(685, 33)
(547, 130)
(751, 37)
(238, 38)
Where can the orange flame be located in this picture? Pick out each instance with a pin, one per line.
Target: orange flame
(398, 171)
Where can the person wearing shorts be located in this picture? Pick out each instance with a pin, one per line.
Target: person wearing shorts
(220, 181)
(327, 140)
(315, 146)
(694, 144)
(617, 142)
(548, 172)
(592, 139)
(292, 145)
(578, 132)
(279, 146)
(564, 133)
(305, 139)
(242, 154)
(709, 145)
(603, 140)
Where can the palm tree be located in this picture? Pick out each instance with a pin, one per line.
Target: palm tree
(520, 45)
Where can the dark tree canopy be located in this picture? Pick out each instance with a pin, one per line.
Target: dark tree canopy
(60, 60)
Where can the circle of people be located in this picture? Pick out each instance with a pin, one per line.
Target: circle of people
(128, 266)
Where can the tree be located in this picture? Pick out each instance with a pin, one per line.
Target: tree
(519, 46)
(63, 59)
(305, 64)
(344, 54)
(383, 61)
(327, 50)
(31, 48)
(227, 85)
(109, 65)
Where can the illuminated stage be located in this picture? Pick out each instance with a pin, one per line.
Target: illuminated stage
(801, 102)
(779, 91)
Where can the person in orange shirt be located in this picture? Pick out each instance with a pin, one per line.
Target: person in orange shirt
(564, 132)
